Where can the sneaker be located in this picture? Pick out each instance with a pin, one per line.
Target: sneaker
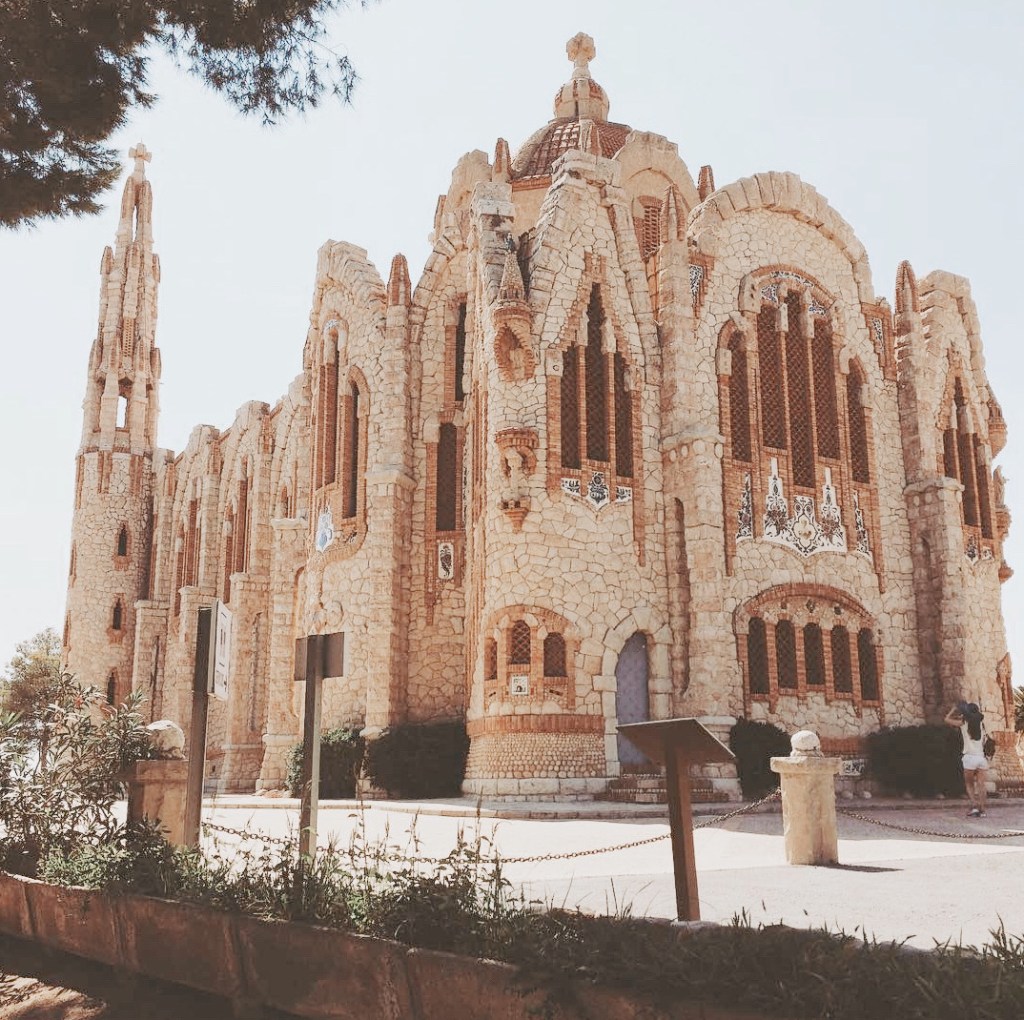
(974, 813)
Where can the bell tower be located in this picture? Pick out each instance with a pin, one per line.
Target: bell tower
(112, 523)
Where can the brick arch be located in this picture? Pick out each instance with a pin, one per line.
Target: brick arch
(785, 193)
(799, 590)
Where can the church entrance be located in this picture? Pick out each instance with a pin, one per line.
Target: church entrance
(632, 702)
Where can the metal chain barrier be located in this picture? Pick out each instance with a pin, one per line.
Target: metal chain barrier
(535, 859)
(919, 831)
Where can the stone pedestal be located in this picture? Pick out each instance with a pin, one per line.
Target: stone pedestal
(809, 801)
(156, 790)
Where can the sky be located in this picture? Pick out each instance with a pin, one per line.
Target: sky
(906, 115)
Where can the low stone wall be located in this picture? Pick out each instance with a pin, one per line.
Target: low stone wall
(299, 968)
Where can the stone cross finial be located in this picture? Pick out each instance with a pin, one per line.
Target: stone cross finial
(141, 155)
(581, 51)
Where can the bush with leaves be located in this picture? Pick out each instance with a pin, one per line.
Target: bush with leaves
(341, 759)
(59, 781)
(420, 759)
(920, 760)
(755, 744)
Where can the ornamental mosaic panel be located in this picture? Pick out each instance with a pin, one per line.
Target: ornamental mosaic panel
(445, 561)
(863, 544)
(808, 530)
(745, 514)
(696, 276)
(597, 493)
(324, 530)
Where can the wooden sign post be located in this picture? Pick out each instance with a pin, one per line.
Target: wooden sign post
(316, 656)
(677, 744)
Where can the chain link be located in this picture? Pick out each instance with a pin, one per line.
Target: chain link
(919, 831)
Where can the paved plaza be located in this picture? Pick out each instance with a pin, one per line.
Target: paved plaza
(889, 884)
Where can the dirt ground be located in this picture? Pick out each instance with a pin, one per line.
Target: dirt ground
(38, 984)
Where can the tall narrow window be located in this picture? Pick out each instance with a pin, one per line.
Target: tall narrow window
(855, 410)
(596, 382)
(554, 655)
(117, 618)
(491, 659)
(111, 689)
(868, 665)
(570, 393)
(965, 456)
(826, 411)
(739, 400)
(330, 422)
(799, 388)
(814, 656)
(984, 501)
(842, 676)
(460, 351)
(785, 654)
(447, 479)
(769, 362)
(352, 454)
(122, 541)
(122, 411)
(623, 421)
(757, 656)
(519, 643)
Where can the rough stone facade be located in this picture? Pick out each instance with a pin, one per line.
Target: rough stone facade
(617, 403)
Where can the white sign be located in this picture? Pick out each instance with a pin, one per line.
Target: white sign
(221, 651)
(519, 684)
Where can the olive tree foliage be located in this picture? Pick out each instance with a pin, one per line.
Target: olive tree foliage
(71, 72)
(30, 678)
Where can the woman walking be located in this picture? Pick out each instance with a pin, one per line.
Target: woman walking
(969, 718)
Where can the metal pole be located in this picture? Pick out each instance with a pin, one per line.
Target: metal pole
(197, 729)
(311, 744)
(680, 820)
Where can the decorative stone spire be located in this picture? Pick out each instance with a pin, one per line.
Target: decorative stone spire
(907, 306)
(399, 284)
(673, 216)
(706, 182)
(501, 171)
(581, 96)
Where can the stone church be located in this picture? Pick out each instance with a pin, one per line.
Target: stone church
(633, 447)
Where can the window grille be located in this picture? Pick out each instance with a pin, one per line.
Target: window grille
(757, 656)
(799, 391)
(352, 454)
(596, 382)
(118, 616)
(769, 360)
(826, 411)
(842, 677)
(460, 351)
(122, 541)
(623, 421)
(570, 388)
(519, 643)
(814, 656)
(868, 665)
(649, 228)
(785, 654)
(447, 479)
(491, 659)
(554, 655)
(984, 500)
(739, 400)
(330, 423)
(859, 465)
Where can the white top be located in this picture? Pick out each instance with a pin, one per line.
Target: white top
(972, 746)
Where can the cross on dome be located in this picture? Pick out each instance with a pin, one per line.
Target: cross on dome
(581, 51)
(142, 156)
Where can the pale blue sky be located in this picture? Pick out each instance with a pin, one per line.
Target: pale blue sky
(906, 115)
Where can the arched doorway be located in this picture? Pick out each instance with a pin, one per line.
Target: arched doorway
(632, 702)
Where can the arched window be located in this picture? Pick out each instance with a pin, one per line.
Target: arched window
(826, 410)
(491, 659)
(757, 657)
(623, 421)
(352, 452)
(785, 654)
(868, 665)
(842, 675)
(814, 656)
(739, 400)
(554, 655)
(460, 352)
(648, 226)
(857, 416)
(769, 363)
(122, 410)
(984, 502)
(595, 384)
(519, 643)
(122, 541)
(570, 394)
(801, 414)
(447, 478)
(111, 688)
(117, 617)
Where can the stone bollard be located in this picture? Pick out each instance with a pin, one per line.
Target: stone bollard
(808, 801)
(157, 786)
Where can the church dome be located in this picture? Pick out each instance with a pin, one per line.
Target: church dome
(580, 121)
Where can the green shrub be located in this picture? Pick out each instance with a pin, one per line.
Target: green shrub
(754, 743)
(420, 759)
(341, 758)
(921, 760)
